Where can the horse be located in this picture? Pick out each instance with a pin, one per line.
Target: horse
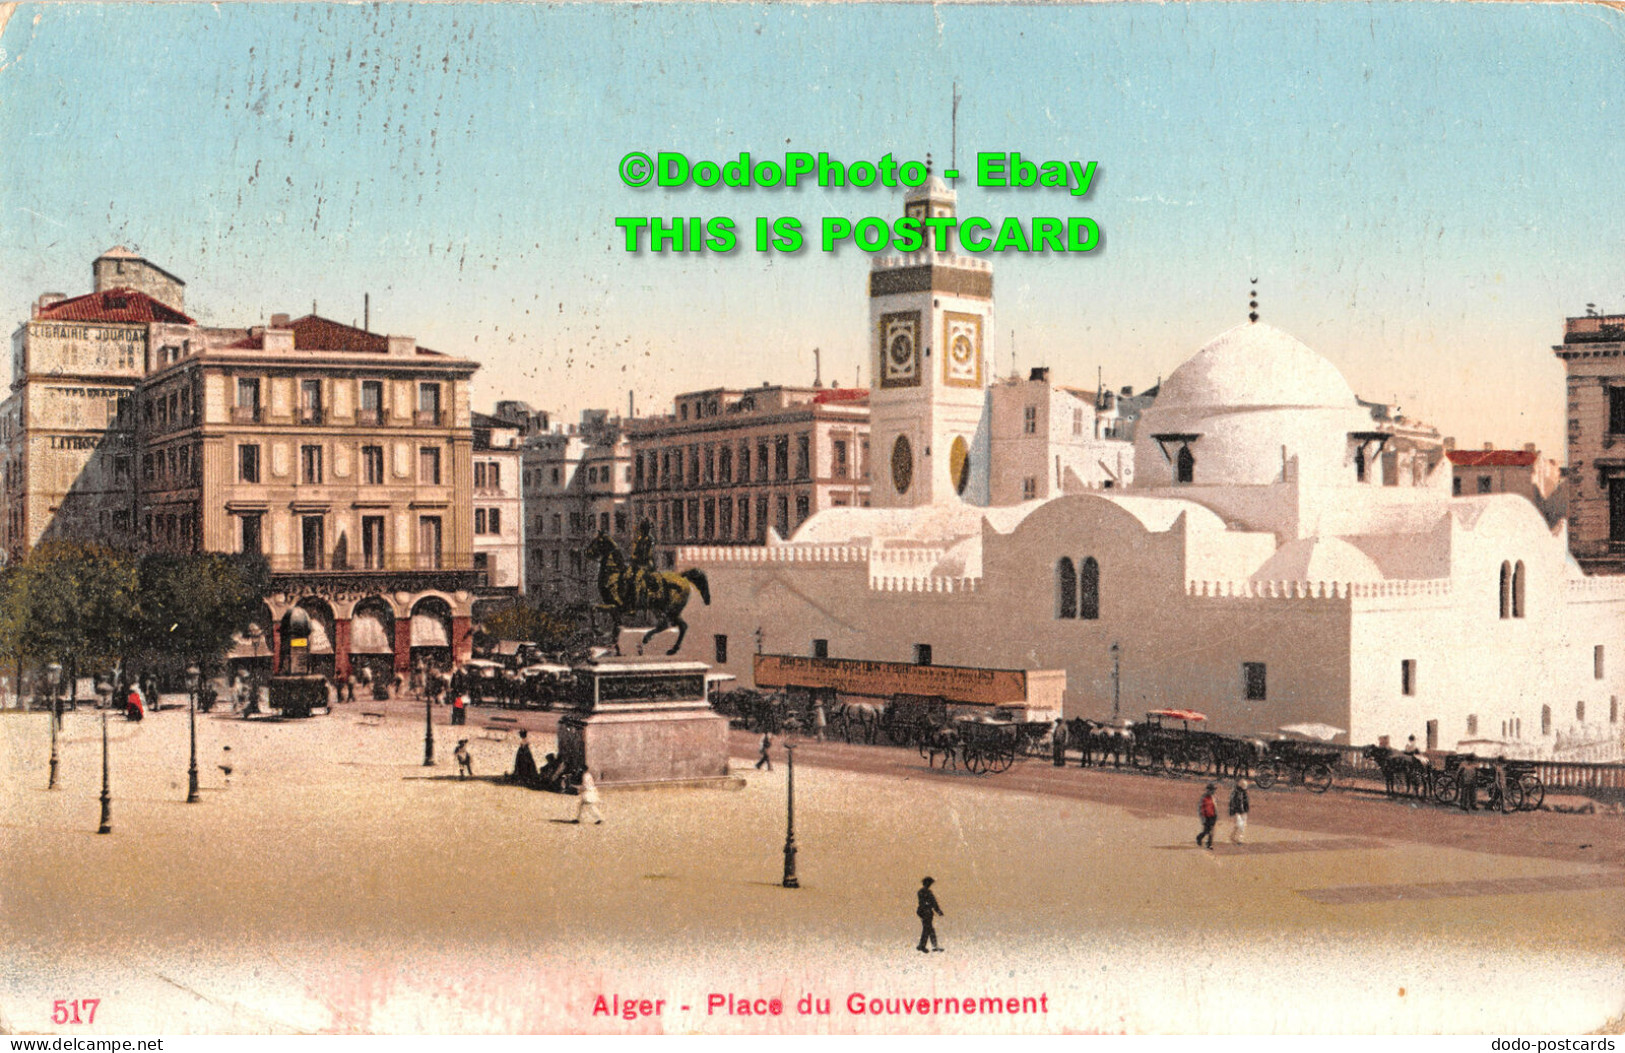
(624, 591)
(1236, 757)
(1109, 740)
(944, 740)
(866, 715)
(1397, 767)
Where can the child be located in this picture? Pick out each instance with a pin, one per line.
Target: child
(465, 763)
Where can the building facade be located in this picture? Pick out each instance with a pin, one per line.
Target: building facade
(729, 466)
(1593, 355)
(1524, 472)
(578, 480)
(1049, 440)
(499, 511)
(342, 456)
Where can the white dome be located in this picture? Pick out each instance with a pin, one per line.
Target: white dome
(1255, 365)
(1318, 559)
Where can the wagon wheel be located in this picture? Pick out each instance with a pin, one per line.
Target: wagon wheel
(1532, 792)
(1192, 761)
(1318, 778)
(1002, 759)
(1265, 778)
(1514, 797)
(975, 762)
(1444, 788)
(1142, 758)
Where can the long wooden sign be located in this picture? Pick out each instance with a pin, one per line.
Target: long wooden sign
(964, 684)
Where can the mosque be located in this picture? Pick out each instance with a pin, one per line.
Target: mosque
(1267, 562)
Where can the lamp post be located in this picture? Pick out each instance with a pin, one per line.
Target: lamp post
(1116, 681)
(790, 880)
(53, 672)
(107, 798)
(428, 731)
(191, 723)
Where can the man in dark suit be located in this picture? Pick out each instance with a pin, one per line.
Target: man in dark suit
(928, 910)
(524, 762)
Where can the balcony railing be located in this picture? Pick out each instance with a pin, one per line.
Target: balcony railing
(426, 418)
(310, 414)
(355, 561)
(369, 416)
(245, 414)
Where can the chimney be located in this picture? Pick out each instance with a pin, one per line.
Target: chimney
(1039, 373)
(279, 321)
(1128, 391)
(1528, 447)
(1449, 443)
(401, 345)
(1488, 446)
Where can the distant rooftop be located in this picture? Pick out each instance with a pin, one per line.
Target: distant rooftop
(1594, 329)
(111, 305)
(1493, 458)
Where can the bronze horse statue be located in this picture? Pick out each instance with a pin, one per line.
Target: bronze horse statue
(626, 590)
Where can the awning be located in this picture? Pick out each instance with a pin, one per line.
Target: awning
(371, 634)
(430, 631)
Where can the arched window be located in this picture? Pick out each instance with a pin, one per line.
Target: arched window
(1089, 590)
(1066, 589)
(1545, 720)
(1506, 590)
(1517, 590)
(1186, 464)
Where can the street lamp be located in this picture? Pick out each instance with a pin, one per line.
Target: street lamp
(428, 730)
(107, 798)
(790, 880)
(53, 673)
(191, 723)
(1116, 680)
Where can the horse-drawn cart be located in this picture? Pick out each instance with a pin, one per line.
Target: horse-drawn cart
(1289, 760)
(1158, 744)
(988, 747)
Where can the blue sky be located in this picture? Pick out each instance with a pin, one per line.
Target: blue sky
(1424, 191)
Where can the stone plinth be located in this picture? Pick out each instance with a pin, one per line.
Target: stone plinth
(644, 720)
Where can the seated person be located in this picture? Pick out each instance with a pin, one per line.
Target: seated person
(550, 778)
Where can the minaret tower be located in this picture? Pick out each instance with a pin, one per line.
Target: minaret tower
(931, 320)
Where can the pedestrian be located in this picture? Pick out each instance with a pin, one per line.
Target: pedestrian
(927, 911)
(459, 710)
(587, 790)
(465, 762)
(1239, 806)
(1500, 769)
(1209, 811)
(524, 762)
(820, 721)
(764, 759)
(226, 766)
(1058, 743)
(1467, 784)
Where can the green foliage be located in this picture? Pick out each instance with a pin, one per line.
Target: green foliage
(556, 632)
(191, 605)
(69, 602)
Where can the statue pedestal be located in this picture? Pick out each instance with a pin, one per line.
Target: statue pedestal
(645, 721)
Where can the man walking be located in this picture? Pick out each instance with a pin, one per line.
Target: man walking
(928, 910)
(1058, 743)
(1209, 811)
(587, 790)
(764, 759)
(1239, 806)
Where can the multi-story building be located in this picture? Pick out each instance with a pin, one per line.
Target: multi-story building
(499, 522)
(1593, 354)
(68, 428)
(1050, 440)
(577, 481)
(730, 465)
(342, 455)
(1523, 472)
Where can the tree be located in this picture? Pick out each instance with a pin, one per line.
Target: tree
(191, 606)
(555, 632)
(69, 602)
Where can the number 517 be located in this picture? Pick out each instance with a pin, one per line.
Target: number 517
(66, 1012)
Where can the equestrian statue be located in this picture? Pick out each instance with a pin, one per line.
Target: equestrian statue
(626, 588)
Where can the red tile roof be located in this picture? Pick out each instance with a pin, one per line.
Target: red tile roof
(841, 395)
(315, 333)
(1492, 458)
(112, 305)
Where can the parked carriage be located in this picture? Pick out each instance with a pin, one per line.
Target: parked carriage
(1524, 790)
(1291, 761)
(1162, 746)
(988, 746)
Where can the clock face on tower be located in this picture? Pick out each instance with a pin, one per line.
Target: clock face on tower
(900, 350)
(962, 336)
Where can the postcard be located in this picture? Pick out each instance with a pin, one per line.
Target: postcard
(906, 519)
